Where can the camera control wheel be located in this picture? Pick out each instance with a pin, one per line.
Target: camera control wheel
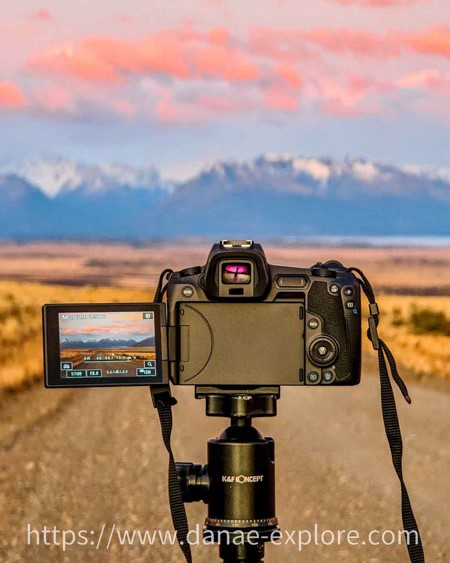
(323, 350)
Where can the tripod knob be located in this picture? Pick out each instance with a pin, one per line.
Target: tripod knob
(194, 481)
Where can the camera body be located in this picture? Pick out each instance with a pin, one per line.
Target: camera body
(236, 322)
(241, 321)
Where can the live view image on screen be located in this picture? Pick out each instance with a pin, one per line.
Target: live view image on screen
(107, 344)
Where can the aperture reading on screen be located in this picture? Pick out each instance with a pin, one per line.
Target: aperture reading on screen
(107, 344)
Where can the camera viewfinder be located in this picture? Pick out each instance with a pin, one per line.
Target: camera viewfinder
(236, 273)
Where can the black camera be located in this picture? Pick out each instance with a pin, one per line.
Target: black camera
(237, 321)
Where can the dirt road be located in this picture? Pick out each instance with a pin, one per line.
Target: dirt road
(95, 457)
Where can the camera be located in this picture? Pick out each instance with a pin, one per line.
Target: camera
(237, 322)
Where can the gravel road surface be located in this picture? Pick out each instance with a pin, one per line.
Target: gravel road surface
(89, 459)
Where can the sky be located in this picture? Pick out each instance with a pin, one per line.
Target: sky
(117, 325)
(180, 84)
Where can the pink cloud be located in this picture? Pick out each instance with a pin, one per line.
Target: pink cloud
(166, 110)
(336, 108)
(123, 18)
(187, 76)
(133, 327)
(358, 42)
(363, 43)
(350, 96)
(124, 108)
(172, 111)
(42, 15)
(289, 74)
(278, 99)
(219, 35)
(377, 3)
(433, 41)
(81, 61)
(11, 96)
(285, 45)
(202, 107)
(300, 45)
(221, 62)
(221, 105)
(55, 99)
(430, 79)
(181, 53)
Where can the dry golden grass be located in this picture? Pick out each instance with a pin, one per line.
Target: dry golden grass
(424, 355)
(21, 327)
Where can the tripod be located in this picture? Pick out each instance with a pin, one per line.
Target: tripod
(238, 483)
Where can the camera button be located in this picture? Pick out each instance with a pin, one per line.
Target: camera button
(334, 288)
(350, 304)
(313, 323)
(313, 377)
(187, 291)
(348, 291)
(323, 272)
(328, 376)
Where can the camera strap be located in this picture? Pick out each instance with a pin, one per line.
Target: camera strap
(163, 402)
(390, 417)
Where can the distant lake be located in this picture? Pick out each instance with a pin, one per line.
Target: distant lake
(371, 241)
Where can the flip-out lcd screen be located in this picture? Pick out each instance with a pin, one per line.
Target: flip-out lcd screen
(109, 344)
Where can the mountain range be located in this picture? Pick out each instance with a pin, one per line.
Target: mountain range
(270, 196)
(106, 343)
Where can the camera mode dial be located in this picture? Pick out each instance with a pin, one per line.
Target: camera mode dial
(321, 271)
(194, 270)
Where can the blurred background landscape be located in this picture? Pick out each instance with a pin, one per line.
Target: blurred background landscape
(132, 137)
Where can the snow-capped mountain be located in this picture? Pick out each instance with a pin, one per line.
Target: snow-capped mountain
(272, 195)
(107, 343)
(57, 175)
(286, 173)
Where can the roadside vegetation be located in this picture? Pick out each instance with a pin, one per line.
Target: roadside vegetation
(417, 329)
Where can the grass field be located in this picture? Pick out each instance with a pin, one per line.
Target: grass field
(423, 352)
(422, 355)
